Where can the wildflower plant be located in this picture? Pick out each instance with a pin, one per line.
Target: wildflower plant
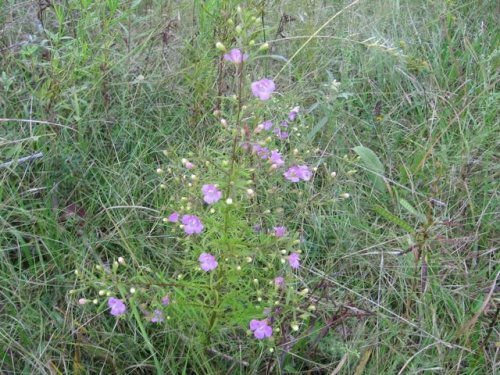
(239, 270)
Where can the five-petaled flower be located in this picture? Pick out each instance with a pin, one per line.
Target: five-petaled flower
(207, 262)
(235, 56)
(117, 306)
(298, 172)
(279, 231)
(293, 260)
(276, 158)
(293, 113)
(210, 193)
(260, 328)
(165, 301)
(279, 282)
(157, 317)
(173, 217)
(192, 224)
(263, 88)
(262, 152)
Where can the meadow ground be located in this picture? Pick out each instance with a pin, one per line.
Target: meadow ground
(406, 268)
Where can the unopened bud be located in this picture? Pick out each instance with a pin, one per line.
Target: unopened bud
(264, 47)
(221, 47)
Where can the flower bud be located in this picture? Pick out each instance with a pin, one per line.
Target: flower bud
(230, 22)
(159, 171)
(295, 327)
(132, 290)
(221, 47)
(264, 47)
(165, 152)
(238, 29)
(121, 260)
(345, 195)
(82, 301)
(229, 201)
(223, 122)
(251, 43)
(333, 174)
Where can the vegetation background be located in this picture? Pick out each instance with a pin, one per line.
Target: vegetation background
(101, 87)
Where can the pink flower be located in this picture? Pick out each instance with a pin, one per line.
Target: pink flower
(279, 282)
(279, 231)
(263, 88)
(262, 152)
(280, 134)
(260, 328)
(293, 260)
(235, 56)
(165, 301)
(192, 224)
(296, 173)
(276, 158)
(210, 193)
(293, 113)
(187, 164)
(117, 306)
(157, 317)
(267, 125)
(173, 217)
(292, 174)
(305, 173)
(207, 262)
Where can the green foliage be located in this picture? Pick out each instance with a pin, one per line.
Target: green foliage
(100, 87)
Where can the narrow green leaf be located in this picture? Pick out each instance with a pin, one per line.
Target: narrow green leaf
(396, 220)
(374, 165)
(412, 210)
(317, 128)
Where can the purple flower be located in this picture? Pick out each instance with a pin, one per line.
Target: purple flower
(192, 224)
(267, 125)
(292, 174)
(305, 173)
(173, 217)
(262, 152)
(276, 158)
(280, 134)
(293, 113)
(263, 88)
(210, 193)
(235, 56)
(257, 228)
(279, 231)
(117, 306)
(260, 329)
(279, 282)
(165, 301)
(207, 262)
(298, 172)
(293, 260)
(187, 164)
(284, 124)
(157, 317)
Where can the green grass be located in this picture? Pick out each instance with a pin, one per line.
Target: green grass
(418, 86)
